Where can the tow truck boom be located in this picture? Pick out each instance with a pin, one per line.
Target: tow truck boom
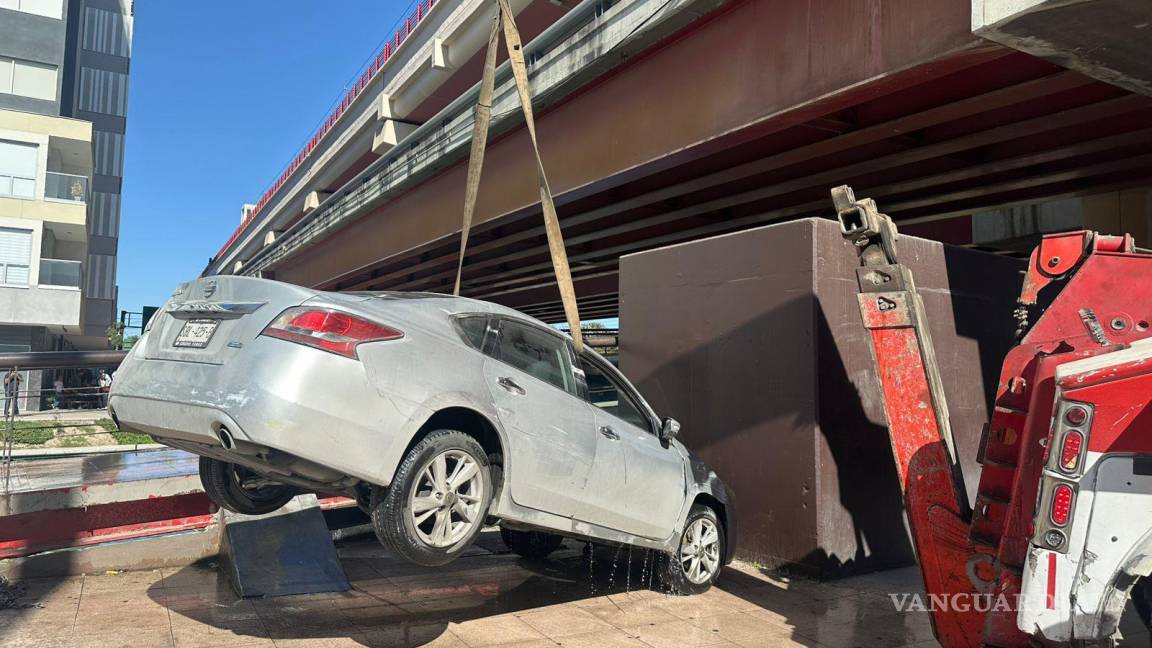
(1062, 523)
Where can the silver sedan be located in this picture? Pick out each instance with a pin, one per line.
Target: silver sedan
(438, 414)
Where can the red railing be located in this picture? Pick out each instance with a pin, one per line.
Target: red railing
(422, 9)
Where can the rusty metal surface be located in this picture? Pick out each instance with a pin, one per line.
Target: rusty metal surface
(753, 341)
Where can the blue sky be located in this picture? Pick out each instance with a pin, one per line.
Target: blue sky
(223, 94)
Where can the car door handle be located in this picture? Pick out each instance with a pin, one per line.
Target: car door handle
(510, 385)
(609, 432)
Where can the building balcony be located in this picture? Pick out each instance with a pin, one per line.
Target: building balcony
(67, 187)
(53, 164)
(60, 273)
(41, 305)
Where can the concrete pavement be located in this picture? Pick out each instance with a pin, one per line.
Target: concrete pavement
(488, 598)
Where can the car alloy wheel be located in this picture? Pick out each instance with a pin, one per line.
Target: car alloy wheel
(445, 501)
(700, 551)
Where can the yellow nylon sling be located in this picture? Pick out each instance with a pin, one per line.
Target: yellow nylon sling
(504, 20)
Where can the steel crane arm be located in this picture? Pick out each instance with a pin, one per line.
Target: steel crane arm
(917, 414)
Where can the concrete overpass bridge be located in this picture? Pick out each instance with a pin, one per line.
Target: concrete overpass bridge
(663, 121)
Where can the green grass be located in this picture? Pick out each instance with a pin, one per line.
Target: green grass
(34, 432)
(123, 438)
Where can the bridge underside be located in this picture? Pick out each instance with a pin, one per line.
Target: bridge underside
(975, 128)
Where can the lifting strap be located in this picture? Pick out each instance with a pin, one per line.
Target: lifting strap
(505, 20)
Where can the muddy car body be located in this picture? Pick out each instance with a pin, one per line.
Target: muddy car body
(337, 393)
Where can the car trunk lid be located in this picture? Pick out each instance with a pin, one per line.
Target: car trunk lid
(211, 319)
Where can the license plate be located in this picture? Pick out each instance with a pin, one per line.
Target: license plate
(196, 333)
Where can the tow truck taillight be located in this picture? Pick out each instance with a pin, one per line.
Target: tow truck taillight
(1075, 415)
(1061, 504)
(1065, 460)
(1070, 436)
(328, 330)
(1070, 450)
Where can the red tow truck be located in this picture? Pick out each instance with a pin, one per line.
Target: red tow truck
(1061, 526)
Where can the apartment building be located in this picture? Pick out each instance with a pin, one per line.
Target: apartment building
(63, 104)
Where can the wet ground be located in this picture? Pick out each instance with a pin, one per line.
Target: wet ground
(68, 472)
(487, 598)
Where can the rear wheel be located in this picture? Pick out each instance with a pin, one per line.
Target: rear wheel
(534, 545)
(438, 500)
(696, 563)
(241, 490)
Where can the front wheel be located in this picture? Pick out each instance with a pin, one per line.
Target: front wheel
(438, 500)
(240, 490)
(696, 563)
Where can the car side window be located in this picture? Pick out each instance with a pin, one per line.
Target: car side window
(473, 330)
(537, 354)
(606, 392)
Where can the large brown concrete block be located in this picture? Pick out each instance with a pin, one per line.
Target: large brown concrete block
(753, 341)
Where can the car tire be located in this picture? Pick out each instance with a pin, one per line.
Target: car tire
(223, 484)
(533, 545)
(417, 518)
(695, 565)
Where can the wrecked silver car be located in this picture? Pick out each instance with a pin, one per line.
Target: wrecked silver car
(438, 414)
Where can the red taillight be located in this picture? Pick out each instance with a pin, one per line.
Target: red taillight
(1076, 415)
(1070, 450)
(1061, 504)
(328, 330)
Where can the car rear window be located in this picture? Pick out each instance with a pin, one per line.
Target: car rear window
(473, 330)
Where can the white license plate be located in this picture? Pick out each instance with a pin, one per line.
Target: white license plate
(196, 333)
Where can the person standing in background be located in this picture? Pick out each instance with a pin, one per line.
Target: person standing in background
(58, 392)
(12, 382)
(105, 386)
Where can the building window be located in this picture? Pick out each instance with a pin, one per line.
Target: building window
(49, 8)
(27, 79)
(18, 169)
(15, 256)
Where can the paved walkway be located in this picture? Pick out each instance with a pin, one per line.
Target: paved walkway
(487, 598)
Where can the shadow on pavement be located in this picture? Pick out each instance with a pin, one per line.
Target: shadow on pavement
(393, 603)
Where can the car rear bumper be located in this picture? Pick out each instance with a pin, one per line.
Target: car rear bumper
(277, 396)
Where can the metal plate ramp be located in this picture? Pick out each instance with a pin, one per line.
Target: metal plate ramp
(289, 551)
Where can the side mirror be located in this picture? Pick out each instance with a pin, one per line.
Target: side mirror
(669, 429)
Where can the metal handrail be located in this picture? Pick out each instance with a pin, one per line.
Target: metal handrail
(32, 360)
